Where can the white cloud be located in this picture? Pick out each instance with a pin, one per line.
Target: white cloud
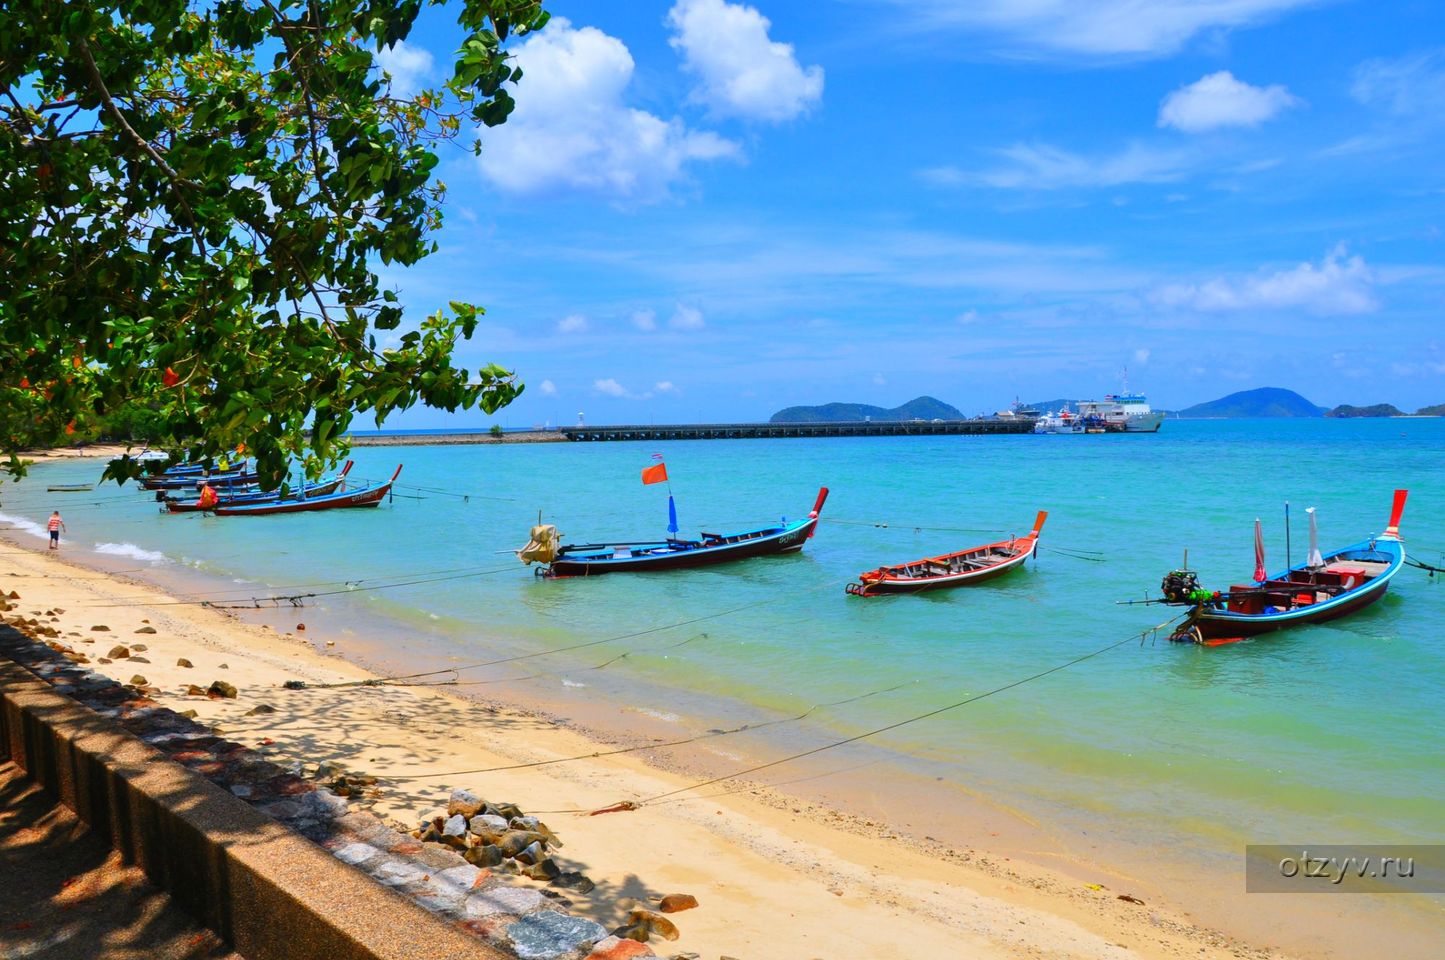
(644, 320)
(611, 388)
(572, 127)
(967, 317)
(1219, 100)
(1338, 284)
(574, 323)
(1138, 28)
(410, 67)
(1043, 166)
(665, 386)
(1405, 85)
(1141, 356)
(741, 72)
(879, 380)
(548, 388)
(686, 318)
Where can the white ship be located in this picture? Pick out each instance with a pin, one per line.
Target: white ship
(1120, 413)
(1060, 422)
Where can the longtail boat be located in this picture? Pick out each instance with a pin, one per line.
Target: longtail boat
(367, 496)
(1324, 587)
(963, 568)
(70, 488)
(309, 490)
(591, 559)
(237, 476)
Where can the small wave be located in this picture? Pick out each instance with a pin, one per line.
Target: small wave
(571, 683)
(132, 551)
(659, 714)
(20, 523)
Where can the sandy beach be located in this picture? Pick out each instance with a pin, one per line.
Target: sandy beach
(776, 876)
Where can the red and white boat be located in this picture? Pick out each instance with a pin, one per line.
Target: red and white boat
(960, 569)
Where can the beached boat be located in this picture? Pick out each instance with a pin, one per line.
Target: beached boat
(963, 568)
(591, 559)
(224, 499)
(348, 496)
(1324, 587)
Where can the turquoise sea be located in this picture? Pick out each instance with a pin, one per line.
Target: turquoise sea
(1322, 734)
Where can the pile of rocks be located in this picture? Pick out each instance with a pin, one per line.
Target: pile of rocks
(501, 836)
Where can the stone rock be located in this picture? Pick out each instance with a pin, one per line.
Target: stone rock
(465, 803)
(532, 853)
(220, 688)
(183, 662)
(100, 628)
(487, 826)
(545, 870)
(484, 855)
(136, 659)
(225, 666)
(137, 681)
(354, 853)
(514, 900)
(462, 878)
(505, 810)
(118, 652)
(456, 826)
(547, 934)
(194, 691)
(190, 713)
(574, 881)
(654, 923)
(677, 902)
(615, 948)
(457, 843)
(145, 630)
(138, 648)
(514, 842)
(300, 626)
(259, 709)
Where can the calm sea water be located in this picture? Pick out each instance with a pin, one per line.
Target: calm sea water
(1327, 733)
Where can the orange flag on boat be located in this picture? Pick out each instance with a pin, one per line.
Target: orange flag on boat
(657, 473)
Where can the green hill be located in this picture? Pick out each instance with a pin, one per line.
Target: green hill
(1054, 406)
(1264, 402)
(1373, 410)
(1437, 410)
(923, 408)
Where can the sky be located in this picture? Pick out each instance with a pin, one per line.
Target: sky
(704, 210)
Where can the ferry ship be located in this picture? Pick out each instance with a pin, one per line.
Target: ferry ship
(1120, 413)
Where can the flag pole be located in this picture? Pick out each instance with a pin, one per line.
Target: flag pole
(1288, 563)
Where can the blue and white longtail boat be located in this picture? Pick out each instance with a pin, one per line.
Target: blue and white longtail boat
(1324, 587)
(591, 559)
(225, 499)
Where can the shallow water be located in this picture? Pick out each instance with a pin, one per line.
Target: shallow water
(1321, 734)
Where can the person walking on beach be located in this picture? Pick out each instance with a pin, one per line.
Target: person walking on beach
(56, 525)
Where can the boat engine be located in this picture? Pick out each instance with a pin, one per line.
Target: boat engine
(1182, 586)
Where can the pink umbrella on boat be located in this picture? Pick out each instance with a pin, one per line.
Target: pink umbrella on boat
(1260, 575)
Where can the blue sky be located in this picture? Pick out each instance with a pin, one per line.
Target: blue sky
(705, 210)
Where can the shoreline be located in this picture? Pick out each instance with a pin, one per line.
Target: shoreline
(846, 883)
(994, 847)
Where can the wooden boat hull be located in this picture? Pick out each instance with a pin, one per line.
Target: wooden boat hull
(590, 560)
(194, 482)
(313, 490)
(671, 555)
(369, 497)
(1209, 623)
(1304, 594)
(915, 577)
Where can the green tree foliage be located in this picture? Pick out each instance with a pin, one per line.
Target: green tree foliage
(194, 201)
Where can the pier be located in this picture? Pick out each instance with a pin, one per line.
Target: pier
(847, 428)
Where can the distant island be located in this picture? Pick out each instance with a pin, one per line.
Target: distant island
(1264, 402)
(923, 408)
(1436, 410)
(1344, 410)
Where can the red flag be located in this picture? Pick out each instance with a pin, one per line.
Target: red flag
(657, 474)
(1260, 574)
